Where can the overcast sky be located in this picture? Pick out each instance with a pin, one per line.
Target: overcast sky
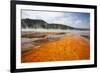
(74, 19)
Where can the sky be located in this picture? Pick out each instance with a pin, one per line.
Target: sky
(73, 19)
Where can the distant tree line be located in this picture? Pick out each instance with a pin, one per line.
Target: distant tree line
(34, 23)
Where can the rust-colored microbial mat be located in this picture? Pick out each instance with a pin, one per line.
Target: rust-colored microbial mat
(70, 47)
